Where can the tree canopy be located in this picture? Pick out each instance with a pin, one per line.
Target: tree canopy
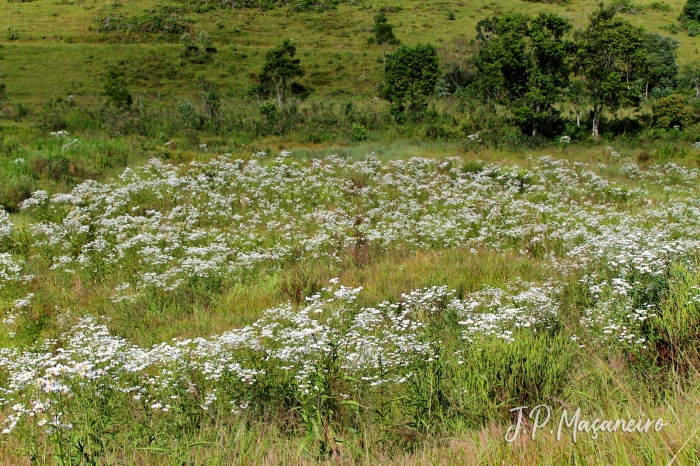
(608, 55)
(522, 62)
(410, 77)
(280, 69)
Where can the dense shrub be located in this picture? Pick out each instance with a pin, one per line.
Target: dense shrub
(672, 111)
(148, 23)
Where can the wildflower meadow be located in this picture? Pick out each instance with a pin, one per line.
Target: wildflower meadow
(272, 309)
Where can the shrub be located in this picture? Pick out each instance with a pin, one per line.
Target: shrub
(359, 132)
(691, 11)
(626, 6)
(14, 190)
(660, 6)
(22, 109)
(115, 90)
(692, 28)
(12, 34)
(188, 115)
(202, 46)
(149, 23)
(672, 111)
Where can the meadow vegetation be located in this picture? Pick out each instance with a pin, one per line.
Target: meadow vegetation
(347, 233)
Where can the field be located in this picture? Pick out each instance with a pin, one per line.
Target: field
(353, 310)
(193, 276)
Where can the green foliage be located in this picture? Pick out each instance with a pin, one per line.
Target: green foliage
(672, 111)
(676, 329)
(522, 62)
(409, 79)
(210, 90)
(147, 23)
(116, 90)
(269, 112)
(658, 72)
(313, 5)
(451, 15)
(11, 34)
(626, 6)
(383, 31)
(279, 71)
(608, 55)
(14, 189)
(188, 115)
(692, 27)
(691, 11)
(359, 132)
(201, 47)
(690, 77)
(521, 372)
(660, 6)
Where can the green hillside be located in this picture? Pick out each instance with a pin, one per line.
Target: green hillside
(59, 50)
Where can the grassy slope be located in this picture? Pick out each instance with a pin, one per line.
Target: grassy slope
(57, 55)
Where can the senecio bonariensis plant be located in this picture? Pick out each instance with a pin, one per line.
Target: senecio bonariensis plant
(328, 367)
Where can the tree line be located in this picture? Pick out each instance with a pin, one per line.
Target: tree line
(531, 68)
(536, 76)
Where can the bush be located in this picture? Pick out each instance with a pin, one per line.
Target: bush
(22, 109)
(692, 28)
(269, 112)
(672, 111)
(691, 11)
(149, 23)
(115, 90)
(359, 132)
(12, 34)
(14, 190)
(202, 46)
(188, 116)
(660, 6)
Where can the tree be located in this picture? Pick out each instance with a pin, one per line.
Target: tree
(691, 11)
(522, 62)
(384, 33)
(575, 95)
(409, 78)
(115, 90)
(280, 69)
(691, 76)
(202, 46)
(607, 54)
(660, 69)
